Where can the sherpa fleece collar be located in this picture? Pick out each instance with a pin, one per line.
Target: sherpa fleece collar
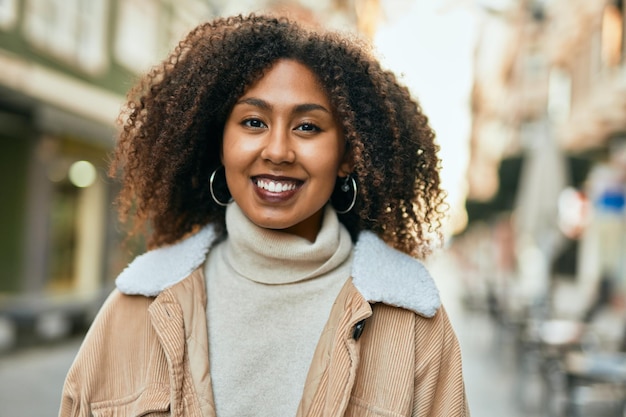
(379, 272)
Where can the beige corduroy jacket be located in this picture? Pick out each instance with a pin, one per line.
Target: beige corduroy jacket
(388, 348)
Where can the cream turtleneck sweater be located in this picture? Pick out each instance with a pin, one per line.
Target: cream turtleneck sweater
(269, 296)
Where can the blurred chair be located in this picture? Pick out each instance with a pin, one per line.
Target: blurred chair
(596, 383)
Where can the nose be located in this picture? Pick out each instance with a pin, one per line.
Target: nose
(278, 147)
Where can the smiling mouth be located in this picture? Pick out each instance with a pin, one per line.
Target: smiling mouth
(276, 186)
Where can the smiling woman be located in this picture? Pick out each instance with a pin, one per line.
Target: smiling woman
(286, 184)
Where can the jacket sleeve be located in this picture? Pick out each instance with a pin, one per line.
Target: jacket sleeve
(439, 387)
(67, 404)
(80, 373)
(103, 356)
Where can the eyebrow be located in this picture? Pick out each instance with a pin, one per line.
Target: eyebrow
(300, 108)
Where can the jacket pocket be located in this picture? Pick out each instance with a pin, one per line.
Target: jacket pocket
(152, 402)
(360, 408)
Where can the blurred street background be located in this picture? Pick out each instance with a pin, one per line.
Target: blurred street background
(528, 100)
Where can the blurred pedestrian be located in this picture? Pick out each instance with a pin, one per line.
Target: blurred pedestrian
(286, 185)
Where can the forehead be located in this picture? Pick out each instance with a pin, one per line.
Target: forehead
(288, 80)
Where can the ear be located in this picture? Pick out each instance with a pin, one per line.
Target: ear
(347, 165)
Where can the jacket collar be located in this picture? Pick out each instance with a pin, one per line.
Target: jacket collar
(379, 272)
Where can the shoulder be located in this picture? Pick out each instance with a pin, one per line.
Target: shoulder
(121, 317)
(160, 268)
(121, 328)
(379, 272)
(384, 274)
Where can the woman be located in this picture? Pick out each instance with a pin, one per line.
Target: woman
(286, 184)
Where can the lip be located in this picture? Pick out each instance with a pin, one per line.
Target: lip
(273, 196)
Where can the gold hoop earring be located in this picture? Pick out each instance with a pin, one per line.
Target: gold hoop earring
(345, 187)
(211, 179)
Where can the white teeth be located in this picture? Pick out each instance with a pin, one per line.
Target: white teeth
(275, 186)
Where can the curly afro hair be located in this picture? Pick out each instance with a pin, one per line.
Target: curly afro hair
(172, 126)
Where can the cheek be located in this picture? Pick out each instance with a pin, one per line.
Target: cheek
(231, 150)
(233, 167)
(327, 172)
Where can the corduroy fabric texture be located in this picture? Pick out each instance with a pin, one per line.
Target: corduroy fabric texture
(139, 349)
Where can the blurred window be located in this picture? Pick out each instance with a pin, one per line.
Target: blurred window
(137, 35)
(146, 29)
(185, 16)
(63, 232)
(73, 30)
(8, 13)
(76, 215)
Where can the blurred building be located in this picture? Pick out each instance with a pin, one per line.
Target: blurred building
(548, 136)
(65, 67)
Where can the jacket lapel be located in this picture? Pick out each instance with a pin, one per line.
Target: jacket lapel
(336, 359)
(167, 321)
(182, 330)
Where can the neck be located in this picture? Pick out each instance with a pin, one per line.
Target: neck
(279, 256)
(309, 228)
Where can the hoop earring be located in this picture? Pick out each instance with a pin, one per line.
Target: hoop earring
(211, 179)
(345, 187)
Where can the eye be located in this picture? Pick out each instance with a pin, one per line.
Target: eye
(308, 127)
(254, 123)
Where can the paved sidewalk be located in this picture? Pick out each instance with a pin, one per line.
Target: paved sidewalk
(31, 380)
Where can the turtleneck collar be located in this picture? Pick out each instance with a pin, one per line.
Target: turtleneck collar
(274, 257)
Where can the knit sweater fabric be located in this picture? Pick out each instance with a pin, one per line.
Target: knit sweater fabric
(269, 297)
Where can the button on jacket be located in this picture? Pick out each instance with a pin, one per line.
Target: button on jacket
(387, 349)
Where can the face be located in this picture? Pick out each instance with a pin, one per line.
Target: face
(283, 150)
